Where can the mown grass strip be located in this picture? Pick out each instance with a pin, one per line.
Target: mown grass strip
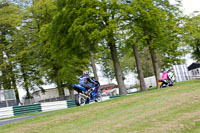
(174, 109)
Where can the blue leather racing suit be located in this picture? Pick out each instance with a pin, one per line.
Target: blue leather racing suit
(86, 82)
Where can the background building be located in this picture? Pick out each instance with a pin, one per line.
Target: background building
(49, 95)
(7, 98)
(194, 70)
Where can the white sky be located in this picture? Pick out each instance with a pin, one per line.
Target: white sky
(188, 7)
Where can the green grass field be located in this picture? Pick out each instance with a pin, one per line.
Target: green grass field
(169, 110)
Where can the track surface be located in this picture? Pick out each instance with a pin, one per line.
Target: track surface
(4, 122)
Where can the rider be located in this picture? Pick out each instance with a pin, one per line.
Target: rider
(85, 81)
(164, 75)
(88, 83)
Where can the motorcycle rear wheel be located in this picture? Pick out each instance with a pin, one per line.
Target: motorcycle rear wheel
(161, 86)
(79, 100)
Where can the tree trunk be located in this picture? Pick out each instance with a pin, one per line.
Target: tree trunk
(14, 86)
(139, 68)
(118, 72)
(28, 95)
(60, 89)
(93, 66)
(71, 91)
(2, 39)
(154, 59)
(58, 82)
(16, 90)
(155, 66)
(4, 78)
(13, 80)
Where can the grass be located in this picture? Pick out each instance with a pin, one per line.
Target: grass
(169, 110)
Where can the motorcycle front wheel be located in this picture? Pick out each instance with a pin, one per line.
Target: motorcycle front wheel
(79, 100)
(99, 98)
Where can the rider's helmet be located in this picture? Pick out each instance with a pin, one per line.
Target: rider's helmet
(85, 72)
(164, 70)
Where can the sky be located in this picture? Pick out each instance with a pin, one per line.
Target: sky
(188, 7)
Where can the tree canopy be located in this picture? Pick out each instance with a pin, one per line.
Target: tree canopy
(53, 41)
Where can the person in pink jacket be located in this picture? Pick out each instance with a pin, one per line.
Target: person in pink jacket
(164, 75)
(166, 81)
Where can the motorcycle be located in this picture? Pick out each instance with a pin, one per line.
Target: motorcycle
(85, 96)
(166, 82)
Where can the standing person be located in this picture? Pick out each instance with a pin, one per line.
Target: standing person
(106, 91)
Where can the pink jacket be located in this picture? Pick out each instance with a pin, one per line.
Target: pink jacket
(164, 76)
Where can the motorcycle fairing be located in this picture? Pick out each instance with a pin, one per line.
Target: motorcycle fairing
(79, 88)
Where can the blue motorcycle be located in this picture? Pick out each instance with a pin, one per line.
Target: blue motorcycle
(85, 96)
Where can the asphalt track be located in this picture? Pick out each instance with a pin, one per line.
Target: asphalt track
(4, 122)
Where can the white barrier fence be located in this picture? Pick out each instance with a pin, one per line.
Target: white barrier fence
(50, 106)
(6, 112)
(105, 98)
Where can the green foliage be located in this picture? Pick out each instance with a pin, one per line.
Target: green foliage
(68, 57)
(37, 16)
(52, 40)
(159, 23)
(146, 62)
(106, 63)
(9, 15)
(192, 36)
(10, 18)
(127, 62)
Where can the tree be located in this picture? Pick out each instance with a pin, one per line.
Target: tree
(139, 68)
(193, 35)
(132, 39)
(10, 18)
(146, 62)
(138, 64)
(67, 58)
(28, 43)
(96, 19)
(86, 30)
(106, 62)
(109, 15)
(153, 22)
